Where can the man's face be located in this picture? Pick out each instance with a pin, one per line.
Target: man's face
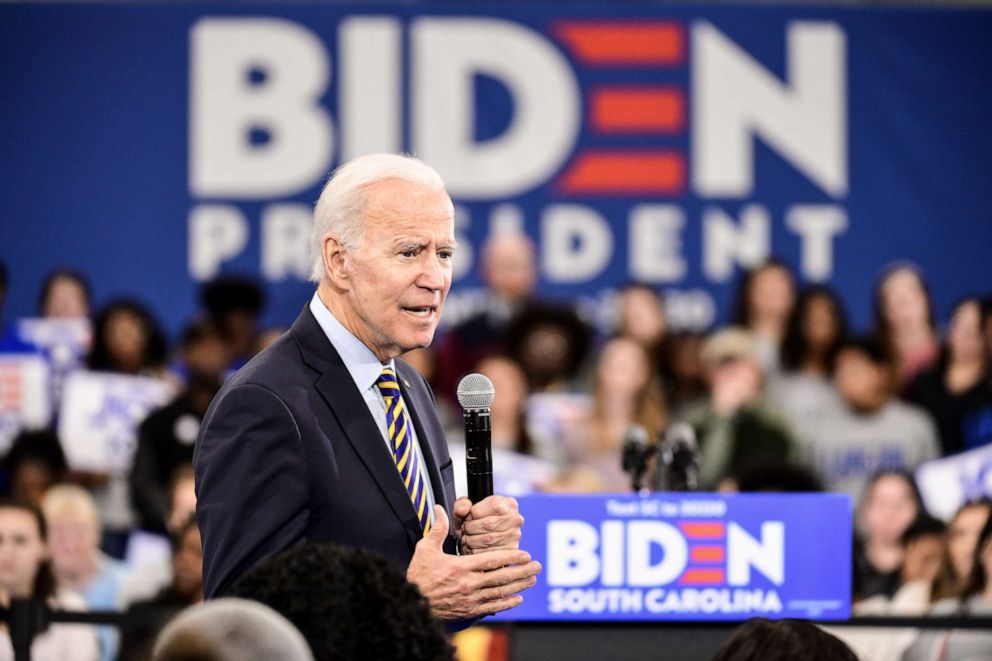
(394, 284)
(862, 383)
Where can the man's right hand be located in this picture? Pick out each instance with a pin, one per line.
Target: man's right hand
(467, 586)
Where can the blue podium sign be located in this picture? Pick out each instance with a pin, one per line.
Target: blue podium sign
(687, 557)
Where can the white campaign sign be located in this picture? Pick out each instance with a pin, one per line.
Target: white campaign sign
(24, 395)
(948, 483)
(100, 416)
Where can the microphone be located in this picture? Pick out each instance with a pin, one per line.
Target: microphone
(678, 459)
(634, 456)
(475, 394)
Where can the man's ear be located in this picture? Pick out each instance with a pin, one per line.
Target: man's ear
(335, 257)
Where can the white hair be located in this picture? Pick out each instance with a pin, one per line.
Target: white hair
(231, 630)
(339, 209)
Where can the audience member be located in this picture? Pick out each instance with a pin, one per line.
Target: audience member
(144, 619)
(65, 294)
(642, 319)
(682, 370)
(26, 572)
(234, 305)
(230, 630)
(904, 321)
(737, 429)
(508, 269)
(509, 429)
(348, 603)
(802, 390)
(153, 571)
(958, 383)
(975, 599)
(128, 340)
(962, 539)
(890, 505)
(77, 562)
(873, 431)
(765, 299)
(551, 343)
(167, 436)
(34, 463)
(923, 550)
(759, 639)
(626, 393)
(10, 341)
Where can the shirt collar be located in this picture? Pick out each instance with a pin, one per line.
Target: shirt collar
(362, 364)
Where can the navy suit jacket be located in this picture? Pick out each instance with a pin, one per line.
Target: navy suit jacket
(289, 453)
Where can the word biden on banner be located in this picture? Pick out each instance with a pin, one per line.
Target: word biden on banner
(688, 557)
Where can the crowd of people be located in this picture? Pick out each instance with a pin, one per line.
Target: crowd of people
(785, 397)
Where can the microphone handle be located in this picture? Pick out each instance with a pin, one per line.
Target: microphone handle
(478, 454)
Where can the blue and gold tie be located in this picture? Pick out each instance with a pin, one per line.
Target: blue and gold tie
(401, 441)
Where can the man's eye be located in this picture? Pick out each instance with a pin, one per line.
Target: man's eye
(409, 253)
(446, 254)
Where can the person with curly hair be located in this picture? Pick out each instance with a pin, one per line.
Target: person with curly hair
(348, 603)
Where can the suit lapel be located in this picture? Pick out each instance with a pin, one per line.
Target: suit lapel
(338, 391)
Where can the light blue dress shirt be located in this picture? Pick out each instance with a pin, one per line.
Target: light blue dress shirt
(365, 369)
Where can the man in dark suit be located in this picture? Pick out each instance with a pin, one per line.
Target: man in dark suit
(327, 437)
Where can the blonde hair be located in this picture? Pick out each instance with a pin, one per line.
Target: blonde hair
(64, 499)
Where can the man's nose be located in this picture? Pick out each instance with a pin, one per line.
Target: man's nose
(432, 275)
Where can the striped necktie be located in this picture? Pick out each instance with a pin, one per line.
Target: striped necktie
(401, 441)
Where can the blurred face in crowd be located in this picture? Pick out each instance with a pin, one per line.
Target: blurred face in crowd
(642, 317)
(31, 480)
(922, 559)
(22, 550)
(510, 384)
(127, 340)
(820, 327)
(546, 350)
(904, 302)
(863, 384)
(187, 565)
(962, 536)
(207, 355)
(73, 537)
(624, 369)
(394, 284)
(734, 383)
(66, 299)
(890, 506)
(772, 294)
(964, 336)
(508, 265)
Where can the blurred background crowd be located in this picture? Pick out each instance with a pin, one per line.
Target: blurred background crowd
(784, 397)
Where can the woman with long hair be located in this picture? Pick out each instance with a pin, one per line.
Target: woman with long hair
(904, 320)
(626, 393)
(765, 300)
(26, 573)
(958, 383)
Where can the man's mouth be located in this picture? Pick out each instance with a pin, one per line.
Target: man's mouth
(423, 311)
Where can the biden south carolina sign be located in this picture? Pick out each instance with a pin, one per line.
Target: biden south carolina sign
(688, 557)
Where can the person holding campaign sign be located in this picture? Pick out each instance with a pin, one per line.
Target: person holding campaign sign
(326, 436)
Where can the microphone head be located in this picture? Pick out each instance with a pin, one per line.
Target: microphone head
(476, 392)
(681, 434)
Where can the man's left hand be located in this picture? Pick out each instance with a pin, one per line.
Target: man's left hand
(492, 524)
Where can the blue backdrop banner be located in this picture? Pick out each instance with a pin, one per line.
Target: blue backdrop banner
(155, 145)
(687, 557)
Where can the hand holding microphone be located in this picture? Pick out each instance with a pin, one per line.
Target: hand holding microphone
(483, 522)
